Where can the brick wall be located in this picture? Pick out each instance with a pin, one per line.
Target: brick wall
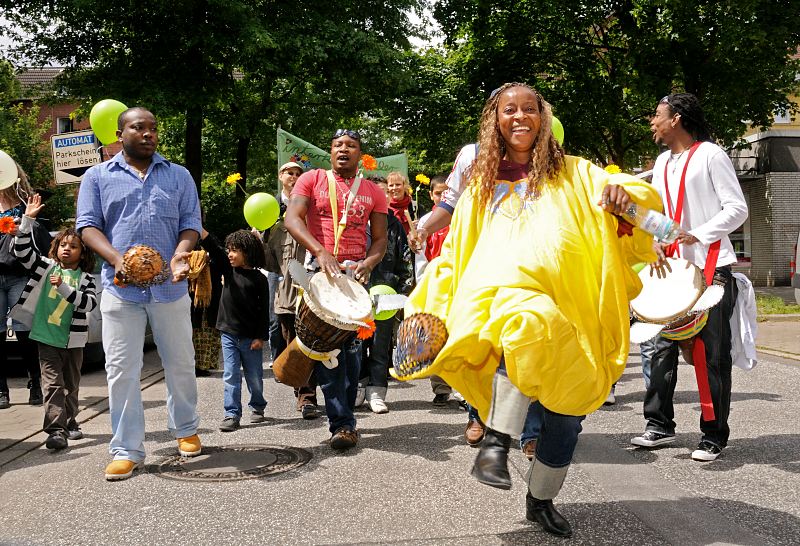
(774, 225)
(51, 113)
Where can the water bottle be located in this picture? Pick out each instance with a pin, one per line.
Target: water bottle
(661, 227)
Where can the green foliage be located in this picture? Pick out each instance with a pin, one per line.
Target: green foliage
(773, 305)
(20, 132)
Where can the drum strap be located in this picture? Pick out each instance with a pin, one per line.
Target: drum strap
(677, 213)
(338, 228)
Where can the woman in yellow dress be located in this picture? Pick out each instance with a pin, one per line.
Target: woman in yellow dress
(533, 285)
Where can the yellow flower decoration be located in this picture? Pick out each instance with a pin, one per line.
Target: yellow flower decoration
(422, 179)
(613, 169)
(233, 179)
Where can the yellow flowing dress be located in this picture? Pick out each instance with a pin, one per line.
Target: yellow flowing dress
(544, 282)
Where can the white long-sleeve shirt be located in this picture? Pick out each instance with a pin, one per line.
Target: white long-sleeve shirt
(456, 180)
(713, 206)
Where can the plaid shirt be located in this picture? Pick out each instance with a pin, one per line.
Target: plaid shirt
(130, 211)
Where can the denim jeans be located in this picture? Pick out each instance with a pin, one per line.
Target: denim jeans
(533, 423)
(716, 335)
(339, 386)
(11, 287)
(558, 438)
(276, 341)
(124, 325)
(647, 349)
(237, 355)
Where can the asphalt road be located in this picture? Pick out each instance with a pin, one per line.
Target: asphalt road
(408, 481)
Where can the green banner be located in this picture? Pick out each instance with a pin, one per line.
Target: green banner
(292, 148)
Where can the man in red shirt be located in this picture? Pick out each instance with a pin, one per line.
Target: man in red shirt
(310, 221)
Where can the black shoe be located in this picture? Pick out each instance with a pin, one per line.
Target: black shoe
(5, 401)
(56, 441)
(35, 398)
(545, 514)
(440, 400)
(491, 464)
(310, 411)
(229, 424)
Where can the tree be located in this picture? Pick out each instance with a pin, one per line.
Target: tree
(604, 65)
(238, 64)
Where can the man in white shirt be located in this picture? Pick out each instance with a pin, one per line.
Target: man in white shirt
(713, 207)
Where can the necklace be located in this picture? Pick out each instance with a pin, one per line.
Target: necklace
(675, 159)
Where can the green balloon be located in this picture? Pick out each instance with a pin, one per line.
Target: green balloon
(558, 131)
(261, 210)
(383, 290)
(638, 267)
(103, 119)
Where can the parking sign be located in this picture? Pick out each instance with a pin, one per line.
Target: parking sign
(73, 154)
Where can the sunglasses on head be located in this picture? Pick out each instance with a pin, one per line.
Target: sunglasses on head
(346, 132)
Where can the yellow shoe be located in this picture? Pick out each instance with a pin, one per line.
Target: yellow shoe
(189, 446)
(120, 469)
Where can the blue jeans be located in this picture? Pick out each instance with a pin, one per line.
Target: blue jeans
(340, 385)
(237, 355)
(124, 325)
(647, 350)
(276, 342)
(533, 423)
(558, 438)
(11, 287)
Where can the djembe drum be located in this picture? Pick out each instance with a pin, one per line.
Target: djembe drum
(329, 315)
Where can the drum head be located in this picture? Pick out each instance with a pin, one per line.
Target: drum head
(665, 299)
(341, 298)
(8, 171)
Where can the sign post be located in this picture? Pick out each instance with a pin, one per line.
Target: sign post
(73, 154)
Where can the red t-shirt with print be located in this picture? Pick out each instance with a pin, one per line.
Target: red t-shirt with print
(370, 198)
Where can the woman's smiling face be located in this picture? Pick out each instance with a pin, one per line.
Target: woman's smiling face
(519, 119)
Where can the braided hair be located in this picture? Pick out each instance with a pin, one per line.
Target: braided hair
(692, 118)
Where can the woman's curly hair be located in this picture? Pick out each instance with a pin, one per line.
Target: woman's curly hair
(547, 156)
(249, 245)
(86, 263)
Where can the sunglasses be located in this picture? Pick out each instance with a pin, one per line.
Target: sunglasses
(346, 132)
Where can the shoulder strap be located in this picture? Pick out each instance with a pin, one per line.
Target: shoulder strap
(338, 227)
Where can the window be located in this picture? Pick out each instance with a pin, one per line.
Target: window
(64, 125)
(782, 117)
(740, 238)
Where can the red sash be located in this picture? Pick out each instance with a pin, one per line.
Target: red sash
(699, 349)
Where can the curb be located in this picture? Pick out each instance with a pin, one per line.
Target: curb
(794, 317)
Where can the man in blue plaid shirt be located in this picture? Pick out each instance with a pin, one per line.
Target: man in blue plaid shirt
(139, 198)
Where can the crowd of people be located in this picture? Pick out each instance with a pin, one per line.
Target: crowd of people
(525, 259)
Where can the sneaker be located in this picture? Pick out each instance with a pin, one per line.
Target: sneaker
(378, 405)
(257, 417)
(706, 451)
(229, 424)
(361, 395)
(74, 433)
(310, 411)
(35, 398)
(344, 438)
(651, 438)
(120, 469)
(611, 399)
(5, 401)
(462, 404)
(440, 400)
(56, 441)
(190, 446)
(529, 449)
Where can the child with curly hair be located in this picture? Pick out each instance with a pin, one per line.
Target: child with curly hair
(55, 304)
(243, 320)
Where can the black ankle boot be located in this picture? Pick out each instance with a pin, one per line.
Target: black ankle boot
(35, 397)
(545, 514)
(491, 464)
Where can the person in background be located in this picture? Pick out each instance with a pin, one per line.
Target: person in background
(280, 249)
(55, 305)
(13, 278)
(393, 271)
(400, 203)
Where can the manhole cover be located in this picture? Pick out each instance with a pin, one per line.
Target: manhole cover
(231, 463)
